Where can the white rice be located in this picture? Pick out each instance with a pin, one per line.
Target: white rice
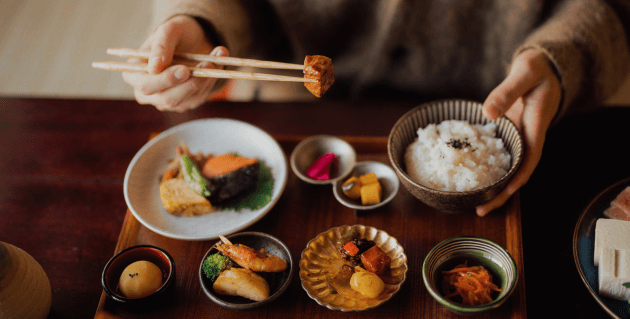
(434, 159)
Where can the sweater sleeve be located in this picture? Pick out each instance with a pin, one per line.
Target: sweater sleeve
(587, 43)
(227, 24)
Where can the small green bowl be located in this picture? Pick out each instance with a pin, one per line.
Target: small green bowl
(477, 252)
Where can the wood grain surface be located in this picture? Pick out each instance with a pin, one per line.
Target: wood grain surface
(62, 164)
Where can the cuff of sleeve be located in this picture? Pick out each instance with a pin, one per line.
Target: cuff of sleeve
(224, 22)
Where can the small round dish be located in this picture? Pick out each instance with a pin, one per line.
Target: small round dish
(310, 149)
(320, 262)
(386, 177)
(473, 251)
(405, 131)
(278, 282)
(115, 266)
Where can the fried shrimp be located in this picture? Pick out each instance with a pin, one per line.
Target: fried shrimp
(251, 259)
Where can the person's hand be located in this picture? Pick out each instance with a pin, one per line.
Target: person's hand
(529, 96)
(171, 88)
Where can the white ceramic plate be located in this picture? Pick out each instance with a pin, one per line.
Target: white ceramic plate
(216, 136)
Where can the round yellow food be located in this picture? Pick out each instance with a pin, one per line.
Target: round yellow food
(366, 283)
(140, 279)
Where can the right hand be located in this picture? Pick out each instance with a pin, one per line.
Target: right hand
(171, 88)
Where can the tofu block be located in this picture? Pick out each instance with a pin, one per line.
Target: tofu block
(368, 178)
(614, 271)
(352, 187)
(611, 233)
(371, 194)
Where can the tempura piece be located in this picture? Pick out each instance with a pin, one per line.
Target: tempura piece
(242, 282)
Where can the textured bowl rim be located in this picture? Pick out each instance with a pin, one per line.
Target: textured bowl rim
(513, 167)
(252, 304)
(470, 309)
(404, 275)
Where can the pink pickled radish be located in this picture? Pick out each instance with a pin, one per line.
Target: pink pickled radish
(320, 169)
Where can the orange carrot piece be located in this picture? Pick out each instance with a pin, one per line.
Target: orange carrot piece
(351, 248)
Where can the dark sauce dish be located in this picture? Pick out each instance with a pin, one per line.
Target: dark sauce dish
(278, 282)
(117, 264)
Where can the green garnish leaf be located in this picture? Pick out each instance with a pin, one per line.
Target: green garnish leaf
(193, 176)
(626, 284)
(263, 193)
(215, 264)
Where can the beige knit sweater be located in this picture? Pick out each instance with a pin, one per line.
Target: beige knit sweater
(425, 49)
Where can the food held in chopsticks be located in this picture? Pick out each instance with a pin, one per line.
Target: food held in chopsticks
(320, 68)
(251, 259)
(244, 282)
(195, 184)
(612, 256)
(470, 286)
(457, 156)
(620, 206)
(317, 69)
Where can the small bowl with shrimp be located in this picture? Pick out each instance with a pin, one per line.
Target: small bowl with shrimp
(246, 270)
(469, 275)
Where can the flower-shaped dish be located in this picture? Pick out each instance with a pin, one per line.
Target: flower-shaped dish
(320, 262)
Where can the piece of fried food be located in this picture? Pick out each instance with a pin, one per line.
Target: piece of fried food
(181, 200)
(320, 68)
(241, 282)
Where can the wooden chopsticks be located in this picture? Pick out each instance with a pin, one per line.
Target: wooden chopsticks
(201, 72)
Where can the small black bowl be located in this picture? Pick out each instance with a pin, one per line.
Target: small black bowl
(118, 263)
(278, 282)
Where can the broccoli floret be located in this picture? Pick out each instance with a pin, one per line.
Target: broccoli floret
(215, 264)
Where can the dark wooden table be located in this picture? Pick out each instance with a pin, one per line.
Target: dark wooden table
(62, 164)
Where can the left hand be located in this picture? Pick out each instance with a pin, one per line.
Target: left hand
(529, 96)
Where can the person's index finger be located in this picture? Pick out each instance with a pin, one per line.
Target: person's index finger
(523, 76)
(163, 46)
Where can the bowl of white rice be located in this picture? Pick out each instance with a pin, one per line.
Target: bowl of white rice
(449, 156)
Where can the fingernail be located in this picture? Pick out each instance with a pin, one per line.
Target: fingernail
(180, 74)
(216, 51)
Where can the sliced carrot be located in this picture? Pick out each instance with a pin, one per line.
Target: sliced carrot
(351, 248)
(472, 284)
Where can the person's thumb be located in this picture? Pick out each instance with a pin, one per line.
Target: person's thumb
(163, 47)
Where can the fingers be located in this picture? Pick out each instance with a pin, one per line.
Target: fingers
(164, 42)
(526, 71)
(168, 93)
(533, 112)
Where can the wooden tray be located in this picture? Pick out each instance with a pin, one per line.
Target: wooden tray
(306, 210)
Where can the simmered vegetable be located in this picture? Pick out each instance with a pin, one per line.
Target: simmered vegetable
(375, 260)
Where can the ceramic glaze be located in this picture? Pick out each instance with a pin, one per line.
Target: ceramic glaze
(26, 291)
